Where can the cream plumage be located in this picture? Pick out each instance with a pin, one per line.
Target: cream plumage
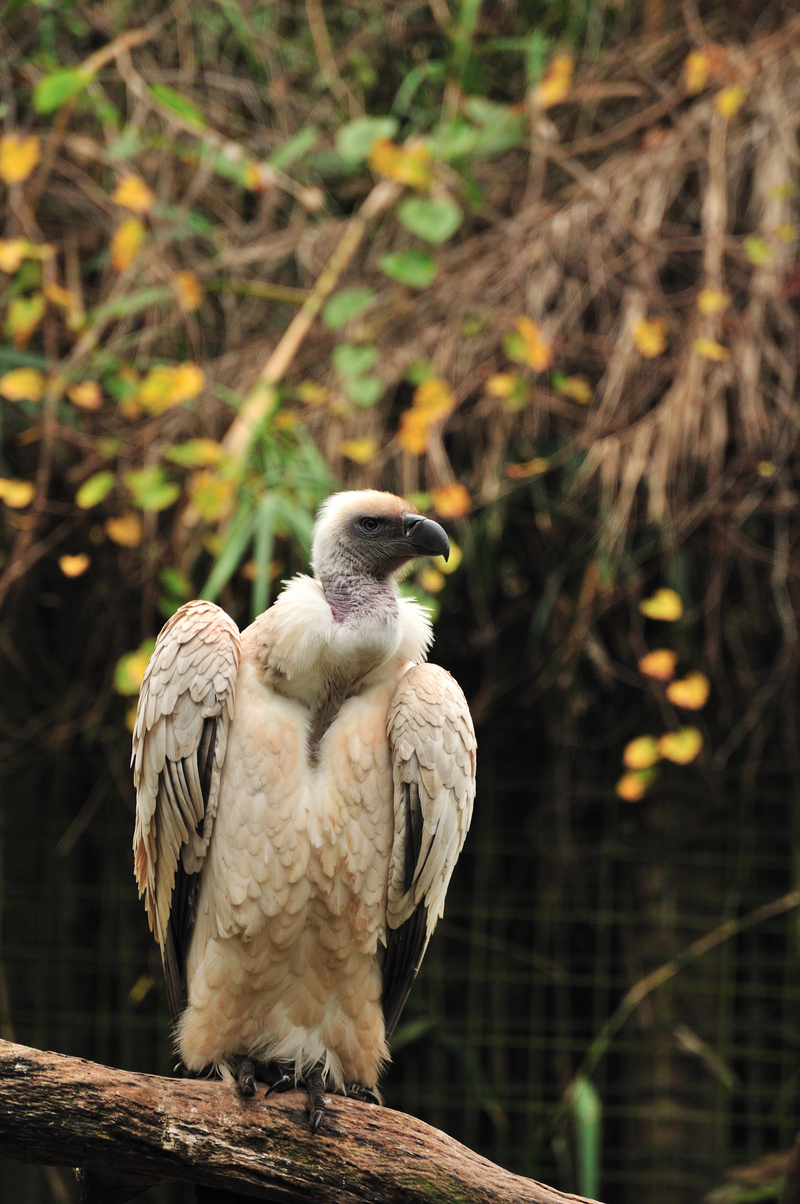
(303, 792)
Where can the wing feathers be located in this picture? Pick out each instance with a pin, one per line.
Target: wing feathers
(179, 742)
(433, 750)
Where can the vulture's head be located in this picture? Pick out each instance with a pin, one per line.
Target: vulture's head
(371, 535)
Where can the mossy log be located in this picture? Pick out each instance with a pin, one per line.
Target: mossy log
(128, 1131)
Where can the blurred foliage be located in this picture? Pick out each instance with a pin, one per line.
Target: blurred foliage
(532, 266)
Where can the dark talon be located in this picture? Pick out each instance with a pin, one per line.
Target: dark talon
(246, 1077)
(365, 1095)
(317, 1101)
(284, 1083)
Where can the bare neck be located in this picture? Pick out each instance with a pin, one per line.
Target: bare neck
(354, 597)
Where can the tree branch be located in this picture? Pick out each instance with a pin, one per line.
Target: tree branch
(130, 1130)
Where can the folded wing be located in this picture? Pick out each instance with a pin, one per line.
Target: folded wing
(433, 753)
(185, 709)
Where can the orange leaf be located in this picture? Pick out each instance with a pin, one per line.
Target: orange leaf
(660, 664)
(531, 468)
(22, 384)
(451, 501)
(556, 82)
(189, 290)
(690, 692)
(408, 164)
(537, 352)
(58, 295)
(127, 243)
(412, 434)
(632, 787)
(74, 566)
(126, 530)
(16, 494)
(433, 399)
(650, 337)
(132, 193)
(86, 395)
(18, 157)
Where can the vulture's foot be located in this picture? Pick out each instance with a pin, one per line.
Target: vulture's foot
(279, 1080)
(246, 1077)
(366, 1095)
(317, 1100)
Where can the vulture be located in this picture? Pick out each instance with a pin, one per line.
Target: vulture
(304, 789)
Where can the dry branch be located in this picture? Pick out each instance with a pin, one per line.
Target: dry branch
(136, 1129)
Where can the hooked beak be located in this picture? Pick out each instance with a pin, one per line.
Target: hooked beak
(426, 537)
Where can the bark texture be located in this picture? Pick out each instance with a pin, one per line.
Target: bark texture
(130, 1130)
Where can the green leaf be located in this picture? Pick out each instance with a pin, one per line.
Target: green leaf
(263, 544)
(413, 268)
(349, 359)
(294, 149)
(453, 140)
(345, 305)
(58, 87)
(232, 554)
(194, 453)
(415, 592)
(587, 1115)
(128, 145)
(355, 140)
(130, 668)
(93, 490)
(431, 219)
(364, 391)
(176, 583)
(152, 489)
(173, 102)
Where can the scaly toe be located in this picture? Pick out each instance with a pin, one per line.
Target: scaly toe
(317, 1100)
(246, 1077)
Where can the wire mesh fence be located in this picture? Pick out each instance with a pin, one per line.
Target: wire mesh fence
(565, 897)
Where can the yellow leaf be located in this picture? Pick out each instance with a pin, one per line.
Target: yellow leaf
(681, 746)
(14, 250)
(650, 337)
(18, 157)
(660, 664)
(729, 101)
(360, 451)
(556, 82)
(188, 381)
(86, 395)
(433, 399)
(130, 717)
(74, 566)
(578, 388)
(453, 561)
(696, 70)
(451, 501)
(537, 351)
(211, 494)
(664, 604)
(169, 385)
(764, 468)
(641, 753)
(758, 251)
(127, 243)
(712, 301)
(785, 233)
(189, 290)
(408, 164)
(502, 385)
(22, 384)
(23, 316)
(632, 787)
(126, 530)
(59, 296)
(130, 668)
(312, 394)
(132, 193)
(431, 579)
(710, 350)
(530, 468)
(690, 692)
(16, 494)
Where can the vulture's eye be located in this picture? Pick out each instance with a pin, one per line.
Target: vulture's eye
(371, 525)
